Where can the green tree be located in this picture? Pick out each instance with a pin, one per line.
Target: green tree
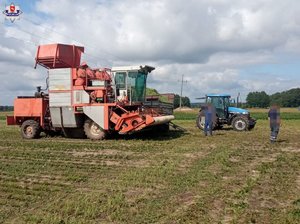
(258, 99)
(289, 98)
(185, 101)
(150, 92)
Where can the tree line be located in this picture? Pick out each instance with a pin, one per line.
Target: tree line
(289, 98)
(6, 108)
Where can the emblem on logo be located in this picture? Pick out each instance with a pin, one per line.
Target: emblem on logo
(12, 12)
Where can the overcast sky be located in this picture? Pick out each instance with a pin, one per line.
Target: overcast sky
(221, 46)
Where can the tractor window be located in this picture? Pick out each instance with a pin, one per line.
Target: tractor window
(227, 102)
(120, 79)
(217, 102)
(137, 86)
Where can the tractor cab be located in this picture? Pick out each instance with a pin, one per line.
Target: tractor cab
(221, 103)
(225, 114)
(130, 83)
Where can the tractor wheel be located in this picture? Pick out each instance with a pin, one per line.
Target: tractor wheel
(30, 129)
(200, 121)
(240, 123)
(74, 133)
(93, 131)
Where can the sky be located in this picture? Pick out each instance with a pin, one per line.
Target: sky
(220, 46)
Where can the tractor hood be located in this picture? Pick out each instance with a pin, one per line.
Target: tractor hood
(235, 110)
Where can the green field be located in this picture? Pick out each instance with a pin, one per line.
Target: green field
(231, 177)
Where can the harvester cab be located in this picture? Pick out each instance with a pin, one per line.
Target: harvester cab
(130, 83)
(225, 114)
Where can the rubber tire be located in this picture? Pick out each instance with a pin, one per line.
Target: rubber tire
(198, 120)
(30, 129)
(93, 131)
(74, 133)
(240, 120)
(201, 125)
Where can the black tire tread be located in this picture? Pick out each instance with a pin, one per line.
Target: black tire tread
(35, 127)
(87, 129)
(240, 117)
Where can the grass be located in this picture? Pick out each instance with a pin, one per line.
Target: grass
(231, 177)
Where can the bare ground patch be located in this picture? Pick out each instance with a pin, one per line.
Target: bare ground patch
(190, 158)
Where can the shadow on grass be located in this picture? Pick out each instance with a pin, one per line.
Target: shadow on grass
(225, 129)
(150, 135)
(282, 141)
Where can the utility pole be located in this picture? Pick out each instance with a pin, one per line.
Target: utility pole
(180, 99)
(238, 100)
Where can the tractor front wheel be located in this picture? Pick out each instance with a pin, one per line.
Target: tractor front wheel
(93, 131)
(240, 123)
(30, 129)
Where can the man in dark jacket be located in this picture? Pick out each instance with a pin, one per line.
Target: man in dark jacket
(274, 118)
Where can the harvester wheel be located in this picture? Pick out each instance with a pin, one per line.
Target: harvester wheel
(240, 123)
(30, 129)
(93, 131)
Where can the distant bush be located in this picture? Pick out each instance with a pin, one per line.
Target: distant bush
(283, 115)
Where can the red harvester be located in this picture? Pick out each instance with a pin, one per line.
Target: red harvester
(82, 101)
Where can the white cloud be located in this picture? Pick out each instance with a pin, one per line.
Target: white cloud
(212, 42)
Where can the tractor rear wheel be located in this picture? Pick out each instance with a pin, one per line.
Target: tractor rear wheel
(240, 123)
(200, 121)
(93, 131)
(30, 129)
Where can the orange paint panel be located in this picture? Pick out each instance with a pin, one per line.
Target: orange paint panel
(28, 107)
(106, 117)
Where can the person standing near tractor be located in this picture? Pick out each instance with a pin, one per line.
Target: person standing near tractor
(209, 118)
(274, 118)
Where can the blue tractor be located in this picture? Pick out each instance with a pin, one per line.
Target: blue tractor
(238, 118)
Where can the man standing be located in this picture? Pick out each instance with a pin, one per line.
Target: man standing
(274, 118)
(209, 118)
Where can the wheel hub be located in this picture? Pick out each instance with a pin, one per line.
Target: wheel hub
(29, 130)
(240, 125)
(95, 130)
